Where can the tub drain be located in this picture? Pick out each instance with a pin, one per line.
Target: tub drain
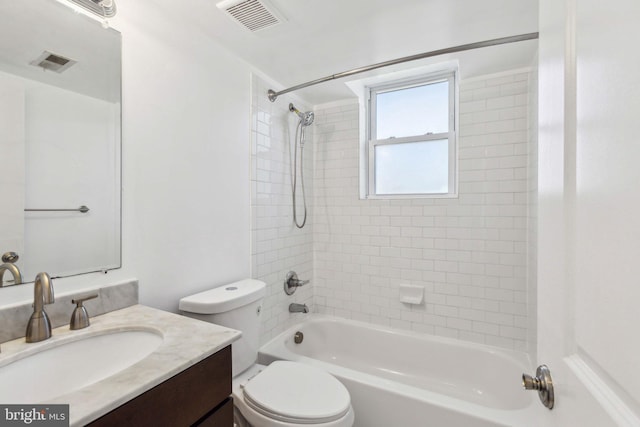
(298, 337)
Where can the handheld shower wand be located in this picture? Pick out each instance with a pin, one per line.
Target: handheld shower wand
(305, 120)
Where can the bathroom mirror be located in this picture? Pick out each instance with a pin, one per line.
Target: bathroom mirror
(59, 140)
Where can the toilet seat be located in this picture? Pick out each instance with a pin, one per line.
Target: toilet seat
(295, 393)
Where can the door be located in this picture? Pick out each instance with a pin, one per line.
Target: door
(589, 211)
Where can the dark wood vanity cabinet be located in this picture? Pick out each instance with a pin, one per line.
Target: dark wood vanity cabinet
(198, 396)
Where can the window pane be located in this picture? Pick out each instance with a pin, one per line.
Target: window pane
(412, 168)
(413, 111)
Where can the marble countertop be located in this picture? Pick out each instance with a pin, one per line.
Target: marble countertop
(186, 341)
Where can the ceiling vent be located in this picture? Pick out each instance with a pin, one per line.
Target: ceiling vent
(103, 8)
(254, 15)
(52, 62)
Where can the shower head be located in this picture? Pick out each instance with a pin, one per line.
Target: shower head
(306, 118)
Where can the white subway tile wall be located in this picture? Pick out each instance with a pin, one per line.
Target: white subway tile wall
(470, 253)
(277, 246)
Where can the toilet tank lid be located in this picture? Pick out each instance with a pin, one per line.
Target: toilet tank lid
(224, 298)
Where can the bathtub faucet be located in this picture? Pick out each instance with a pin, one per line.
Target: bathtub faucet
(298, 308)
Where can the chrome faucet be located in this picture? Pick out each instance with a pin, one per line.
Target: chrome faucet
(14, 270)
(39, 326)
(298, 308)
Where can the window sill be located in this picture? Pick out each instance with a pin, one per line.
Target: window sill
(409, 196)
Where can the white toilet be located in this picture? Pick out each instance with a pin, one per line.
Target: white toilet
(283, 394)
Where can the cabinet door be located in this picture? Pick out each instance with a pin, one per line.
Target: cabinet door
(222, 416)
(182, 400)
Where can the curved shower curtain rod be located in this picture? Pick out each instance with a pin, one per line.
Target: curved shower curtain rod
(273, 95)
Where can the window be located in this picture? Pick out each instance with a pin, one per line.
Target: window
(411, 149)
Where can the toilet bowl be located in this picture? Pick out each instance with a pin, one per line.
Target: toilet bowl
(282, 394)
(291, 394)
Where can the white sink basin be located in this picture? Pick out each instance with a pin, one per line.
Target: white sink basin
(71, 365)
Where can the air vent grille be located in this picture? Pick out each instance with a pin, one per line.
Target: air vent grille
(104, 8)
(51, 61)
(254, 15)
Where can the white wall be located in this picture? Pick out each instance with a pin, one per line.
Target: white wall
(61, 152)
(185, 155)
(72, 152)
(469, 253)
(186, 122)
(12, 145)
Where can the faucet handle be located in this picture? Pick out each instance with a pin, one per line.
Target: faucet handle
(291, 282)
(80, 317)
(10, 257)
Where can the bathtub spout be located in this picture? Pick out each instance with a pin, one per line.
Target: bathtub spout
(298, 308)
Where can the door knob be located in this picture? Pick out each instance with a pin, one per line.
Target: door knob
(543, 383)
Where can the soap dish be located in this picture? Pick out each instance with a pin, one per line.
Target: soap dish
(411, 294)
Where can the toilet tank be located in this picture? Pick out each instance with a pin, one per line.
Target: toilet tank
(237, 306)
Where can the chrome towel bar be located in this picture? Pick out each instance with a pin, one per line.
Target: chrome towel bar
(82, 209)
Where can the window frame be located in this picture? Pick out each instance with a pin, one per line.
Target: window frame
(451, 135)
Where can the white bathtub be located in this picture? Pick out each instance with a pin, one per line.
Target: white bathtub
(404, 379)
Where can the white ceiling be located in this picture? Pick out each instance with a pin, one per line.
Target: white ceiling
(27, 29)
(324, 37)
